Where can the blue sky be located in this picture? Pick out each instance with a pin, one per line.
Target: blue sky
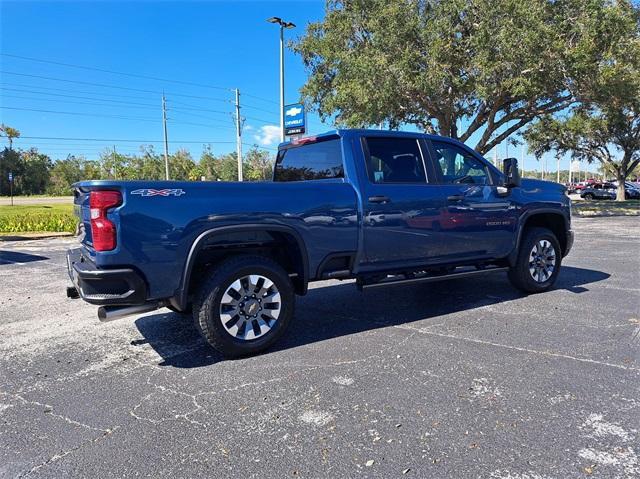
(219, 44)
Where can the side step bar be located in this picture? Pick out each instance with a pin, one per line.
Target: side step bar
(431, 279)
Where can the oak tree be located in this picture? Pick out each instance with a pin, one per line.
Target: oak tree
(604, 126)
(495, 64)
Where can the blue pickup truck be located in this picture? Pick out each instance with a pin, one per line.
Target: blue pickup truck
(383, 208)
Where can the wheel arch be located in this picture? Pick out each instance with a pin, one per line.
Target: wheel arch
(549, 218)
(292, 241)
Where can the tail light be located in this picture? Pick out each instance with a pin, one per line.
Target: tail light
(103, 231)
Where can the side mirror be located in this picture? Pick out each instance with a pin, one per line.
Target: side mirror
(511, 172)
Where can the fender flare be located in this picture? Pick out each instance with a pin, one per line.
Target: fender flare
(182, 293)
(523, 221)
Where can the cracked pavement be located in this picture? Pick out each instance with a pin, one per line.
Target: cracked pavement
(465, 378)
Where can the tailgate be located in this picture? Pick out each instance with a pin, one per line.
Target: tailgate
(81, 211)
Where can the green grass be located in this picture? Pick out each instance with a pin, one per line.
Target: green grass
(37, 218)
(606, 208)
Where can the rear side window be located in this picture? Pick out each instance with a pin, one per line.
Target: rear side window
(395, 160)
(314, 161)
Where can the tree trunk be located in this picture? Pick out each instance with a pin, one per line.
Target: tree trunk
(620, 178)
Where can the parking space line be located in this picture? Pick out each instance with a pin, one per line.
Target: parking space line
(521, 349)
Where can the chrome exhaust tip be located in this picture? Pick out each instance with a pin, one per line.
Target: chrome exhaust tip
(111, 313)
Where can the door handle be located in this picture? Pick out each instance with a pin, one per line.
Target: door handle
(455, 198)
(379, 199)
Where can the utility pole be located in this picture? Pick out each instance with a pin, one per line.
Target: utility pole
(115, 165)
(238, 134)
(166, 140)
(558, 170)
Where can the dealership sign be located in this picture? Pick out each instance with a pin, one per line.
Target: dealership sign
(294, 119)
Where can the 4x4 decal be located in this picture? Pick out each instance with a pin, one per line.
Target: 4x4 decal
(165, 192)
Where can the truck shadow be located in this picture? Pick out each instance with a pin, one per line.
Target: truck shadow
(339, 310)
(12, 257)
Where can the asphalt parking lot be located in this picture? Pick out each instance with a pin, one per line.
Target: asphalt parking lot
(466, 378)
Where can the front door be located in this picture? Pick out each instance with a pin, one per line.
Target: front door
(400, 203)
(476, 220)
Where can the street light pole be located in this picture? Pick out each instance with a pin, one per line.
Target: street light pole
(281, 83)
(283, 25)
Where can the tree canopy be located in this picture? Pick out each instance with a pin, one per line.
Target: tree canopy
(10, 133)
(36, 173)
(496, 64)
(604, 126)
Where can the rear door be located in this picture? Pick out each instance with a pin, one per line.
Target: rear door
(400, 202)
(476, 221)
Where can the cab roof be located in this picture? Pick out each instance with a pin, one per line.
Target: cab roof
(358, 132)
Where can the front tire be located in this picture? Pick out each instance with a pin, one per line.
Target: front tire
(538, 262)
(244, 306)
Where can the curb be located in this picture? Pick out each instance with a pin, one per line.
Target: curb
(604, 215)
(34, 236)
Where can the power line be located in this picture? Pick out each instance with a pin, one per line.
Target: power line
(186, 106)
(134, 75)
(132, 105)
(259, 109)
(209, 125)
(259, 120)
(48, 143)
(58, 138)
(262, 99)
(74, 113)
(180, 112)
(111, 95)
(78, 97)
(104, 85)
(119, 117)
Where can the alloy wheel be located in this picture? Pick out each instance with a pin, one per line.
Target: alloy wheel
(250, 307)
(542, 261)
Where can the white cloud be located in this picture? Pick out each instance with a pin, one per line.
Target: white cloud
(268, 135)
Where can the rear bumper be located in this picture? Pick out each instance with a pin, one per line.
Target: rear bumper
(122, 286)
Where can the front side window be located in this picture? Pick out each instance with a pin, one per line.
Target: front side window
(312, 161)
(394, 160)
(459, 166)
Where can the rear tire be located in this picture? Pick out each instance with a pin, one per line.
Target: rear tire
(588, 196)
(538, 263)
(244, 306)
